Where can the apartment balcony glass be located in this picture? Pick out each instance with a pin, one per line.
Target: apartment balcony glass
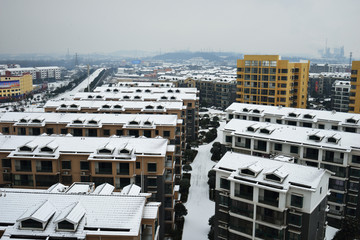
(268, 233)
(122, 169)
(311, 153)
(337, 184)
(269, 197)
(23, 165)
(270, 216)
(103, 168)
(44, 166)
(243, 142)
(336, 198)
(241, 225)
(244, 191)
(242, 208)
(260, 145)
(330, 157)
(339, 171)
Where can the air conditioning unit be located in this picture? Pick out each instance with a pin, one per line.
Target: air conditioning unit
(65, 172)
(83, 173)
(5, 170)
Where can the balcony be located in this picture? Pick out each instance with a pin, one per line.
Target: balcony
(103, 171)
(270, 216)
(169, 177)
(169, 164)
(269, 197)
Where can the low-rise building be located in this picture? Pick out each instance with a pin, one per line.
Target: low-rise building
(338, 152)
(41, 161)
(78, 212)
(310, 118)
(259, 198)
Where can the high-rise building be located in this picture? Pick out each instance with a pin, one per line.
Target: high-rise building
(340, 96)
(354, 101)
(268, 80)
(259, 198)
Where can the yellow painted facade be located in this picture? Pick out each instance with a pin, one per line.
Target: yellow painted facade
(354, 99)
(268, 80)
(11, 89)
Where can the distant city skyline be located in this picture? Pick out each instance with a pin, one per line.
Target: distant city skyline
(252, 27)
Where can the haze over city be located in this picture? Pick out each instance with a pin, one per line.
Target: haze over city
(266, 27)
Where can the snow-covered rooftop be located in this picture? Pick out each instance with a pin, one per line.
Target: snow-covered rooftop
(291, 174)
(135, 96)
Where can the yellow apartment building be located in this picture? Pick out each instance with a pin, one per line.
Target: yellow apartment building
(354, 100)
(268, 80)
(15, 86)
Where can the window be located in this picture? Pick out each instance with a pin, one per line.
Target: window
(296, 201)
(66, 225)
(228, 139)
(334, 127)
(151, 182)
(30, 223)
(166, 133)
(278, 121)
(137, 165)
(123, 169)
(224, 183)
(278, 147)
(6, 163)
(151, 167)
(84, 165)
(49, 131)
(66, 164)
(295, 219)
(106, 132)
(63, 131)
(119, 132)
(294, 149)
(294, 236)
(321, 126)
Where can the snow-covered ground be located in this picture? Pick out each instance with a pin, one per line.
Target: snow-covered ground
(199, 207)
(68, 95)
(330, 233)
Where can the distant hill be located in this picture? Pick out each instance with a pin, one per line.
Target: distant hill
(211, 56)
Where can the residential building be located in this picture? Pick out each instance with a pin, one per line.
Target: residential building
(78, 212)
(40, 161)
(97, 125)
(310, 118)
(15, 85)
(340, 96)
(354, 102)
(52, 72)
(190, 101)
(268, 80)
(259, 198)
(338, 152)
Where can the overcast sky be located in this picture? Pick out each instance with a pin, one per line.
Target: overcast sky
(254, 26)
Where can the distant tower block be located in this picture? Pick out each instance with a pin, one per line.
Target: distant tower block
(76, 60)
(350, 60)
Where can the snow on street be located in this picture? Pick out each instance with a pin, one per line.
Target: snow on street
(199, 207)
(68, 95)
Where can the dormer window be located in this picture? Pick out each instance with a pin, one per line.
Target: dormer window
(31, 224)
(159, 107)
(170, 91)
(272, 177)
(90, 96)
(108, 90)
(137, 97)
(25, 149)
(65, 225)
(149, 107)
(256, 111)
(177, 90)
(334, 139)
(23, 120)
(293, 115)
(117, 106)
(252, 129)
(138, 90)
(315, 138)
(245, 110)
(63, 106)
(351, 120)
(105, 151)
(77, 121)
(47, 149)
(147, 123)
(173, 98)
(134, 123)
(98, 96)
(105, 106)
(92, 122)
(36, 121)
(126, 97)
(266, 131)
(116, 90)
(124, 150)
(309, 116)
(164, 97)
(147, 90)
(73, 106)
(248, 172)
